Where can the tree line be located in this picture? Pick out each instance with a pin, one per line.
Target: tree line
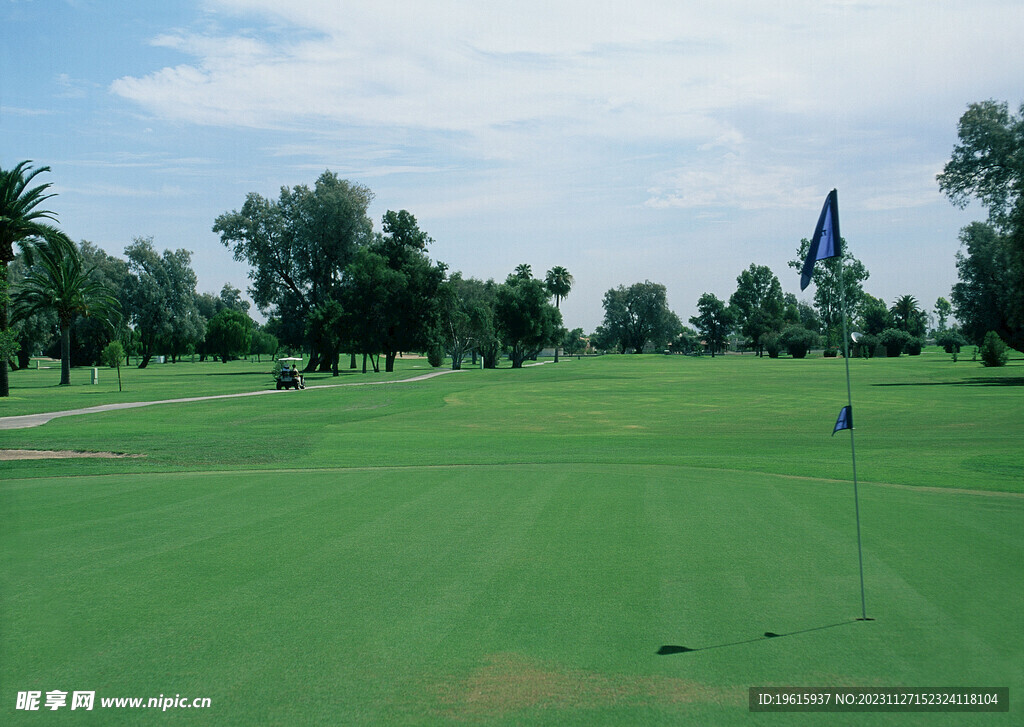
(328, 282)
(987, 166)
(331, 284)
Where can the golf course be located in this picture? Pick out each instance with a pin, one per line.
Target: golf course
(614, 540)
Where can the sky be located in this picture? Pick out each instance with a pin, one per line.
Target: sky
(671, 141)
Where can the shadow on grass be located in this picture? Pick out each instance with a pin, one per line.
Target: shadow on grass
(669, 649)
(975, 381)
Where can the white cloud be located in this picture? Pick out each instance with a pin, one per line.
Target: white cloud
(730, 182)
(646, 69)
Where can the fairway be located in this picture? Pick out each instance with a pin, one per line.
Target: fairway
(517, 546)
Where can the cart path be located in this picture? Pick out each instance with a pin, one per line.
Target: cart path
(34, 420)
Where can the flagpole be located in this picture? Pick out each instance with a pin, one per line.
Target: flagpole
(853, 451)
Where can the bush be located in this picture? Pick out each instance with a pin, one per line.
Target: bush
(894, 340)
(797, 340)
(865, 346)
(435, 355)
(993, 350)
(770, 342)
(950, 340)
(830, 352)
(914, 346)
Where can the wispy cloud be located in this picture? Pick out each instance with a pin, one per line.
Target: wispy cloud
(16, 111)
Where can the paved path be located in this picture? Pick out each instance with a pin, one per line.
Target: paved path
(34, 420)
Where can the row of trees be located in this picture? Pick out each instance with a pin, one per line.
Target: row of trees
(987, 165)
(73, 300)
(765, 319)
(329, 283)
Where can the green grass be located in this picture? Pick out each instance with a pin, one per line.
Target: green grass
(37, 390)
(513, 547)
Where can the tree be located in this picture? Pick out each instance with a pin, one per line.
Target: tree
(637, 316)
(466, 319)
(22, 222)
(827, 293)
(524, 318)
(229, 334)
(907, 316)
(57, 281)
(264, 343)
(391, 291)
(299, 248)
(160, 296)
(89, 335)
(366, 300)
(231, 297)
(874, 315)
(523, 271)
(797, 311)
(573, 342)
(686, 341)
(712, 321)
(988, 164)
(943, 310)
(983, 297)
(112, 356)
(757, 303)
(559, 283)
(30, 335)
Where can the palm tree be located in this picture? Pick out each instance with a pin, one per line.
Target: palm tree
(21, 223)
(907, 316)
(56, 281)
(523, 271)
(559, 283)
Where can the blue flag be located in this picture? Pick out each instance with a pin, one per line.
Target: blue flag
(825, 242)
(845, 420)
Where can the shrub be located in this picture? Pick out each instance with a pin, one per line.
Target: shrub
(435, 355)
(894, 341)
(830, 352)
(914, 346)
(865, 346)
(797, 340)
(770, 342)
(993, 350)
(950, 340)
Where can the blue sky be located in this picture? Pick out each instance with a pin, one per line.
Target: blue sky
(671, 141)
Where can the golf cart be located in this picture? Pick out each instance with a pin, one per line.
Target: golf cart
(288, 377)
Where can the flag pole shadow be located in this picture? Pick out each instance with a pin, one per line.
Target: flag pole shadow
(670, 649)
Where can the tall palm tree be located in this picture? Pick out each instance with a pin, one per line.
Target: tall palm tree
(58, 282)
(559, 283)
(22, 223)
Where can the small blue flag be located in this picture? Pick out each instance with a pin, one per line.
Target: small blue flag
(825, 242)
(845, 420)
